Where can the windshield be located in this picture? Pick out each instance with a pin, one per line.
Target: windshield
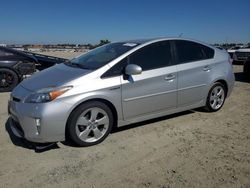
(101, 56)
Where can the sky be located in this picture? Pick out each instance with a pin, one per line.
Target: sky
(88, 21)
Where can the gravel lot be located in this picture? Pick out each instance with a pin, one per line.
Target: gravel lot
(189, 149)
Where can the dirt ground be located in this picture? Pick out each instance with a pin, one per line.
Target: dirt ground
(67, 55)
(189, 149)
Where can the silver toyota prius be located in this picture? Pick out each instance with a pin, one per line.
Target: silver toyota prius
(118, 84)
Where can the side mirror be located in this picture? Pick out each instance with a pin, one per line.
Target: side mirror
(133, 69)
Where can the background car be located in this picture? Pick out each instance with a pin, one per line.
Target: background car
(15, 65)
(242, 54)
(239, 54)
(232, 50)
(247, 69)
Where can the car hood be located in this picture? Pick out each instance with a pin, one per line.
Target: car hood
(54, 76)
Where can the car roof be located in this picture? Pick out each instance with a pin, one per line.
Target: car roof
(143, 41)
(137, 41)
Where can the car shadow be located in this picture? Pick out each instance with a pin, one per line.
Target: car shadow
(32, 146)
(135, 125)
(240, 77)
(38, 148)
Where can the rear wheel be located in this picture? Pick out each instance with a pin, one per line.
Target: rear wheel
(8, 80)
(216, 97)
(90, 123)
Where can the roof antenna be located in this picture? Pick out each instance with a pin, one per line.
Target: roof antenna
(180, 35)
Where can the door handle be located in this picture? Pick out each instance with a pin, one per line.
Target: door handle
(169, 77)
(206, 68)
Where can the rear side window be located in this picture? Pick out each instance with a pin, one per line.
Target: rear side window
(153, 56)
(188, 51)
(209, 52)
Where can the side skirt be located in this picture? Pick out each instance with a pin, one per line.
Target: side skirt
(160, 114)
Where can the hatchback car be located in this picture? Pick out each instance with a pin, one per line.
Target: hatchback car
(119, 84)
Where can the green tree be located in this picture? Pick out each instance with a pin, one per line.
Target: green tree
(104, 41)
(101, 43)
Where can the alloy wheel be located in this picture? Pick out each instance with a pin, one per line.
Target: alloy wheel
(92, 124)
(217, 97)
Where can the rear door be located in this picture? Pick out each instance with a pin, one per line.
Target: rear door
(194, 65)
(155, 89)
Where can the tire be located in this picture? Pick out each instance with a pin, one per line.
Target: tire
(216, 97)
(8, 80)
(246, 70)
(90, 123)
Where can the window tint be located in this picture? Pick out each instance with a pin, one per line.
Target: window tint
(209, 52)
(190, 51)
(116, 70)
(153, 56)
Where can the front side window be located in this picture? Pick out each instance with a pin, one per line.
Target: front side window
(153, 56)
(101, 56)
(116, 70)
(189, 51)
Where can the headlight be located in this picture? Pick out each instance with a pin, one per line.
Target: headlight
(46, 95)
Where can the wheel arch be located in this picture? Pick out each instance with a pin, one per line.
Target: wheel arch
(105, 101)
(224, 83)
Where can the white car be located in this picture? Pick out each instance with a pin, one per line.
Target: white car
(239, 54)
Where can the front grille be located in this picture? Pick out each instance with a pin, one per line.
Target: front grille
(242, 55)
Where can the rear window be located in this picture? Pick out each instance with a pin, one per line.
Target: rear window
(189, 51)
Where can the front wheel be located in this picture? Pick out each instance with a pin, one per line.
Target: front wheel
(216, 97)
(8, 80)
(90, 123)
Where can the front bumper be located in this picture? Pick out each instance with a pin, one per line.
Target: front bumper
(40, 123)
(16, 128)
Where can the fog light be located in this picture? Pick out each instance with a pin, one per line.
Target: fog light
(38, 125)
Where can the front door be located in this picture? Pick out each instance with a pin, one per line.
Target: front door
(155, 89)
